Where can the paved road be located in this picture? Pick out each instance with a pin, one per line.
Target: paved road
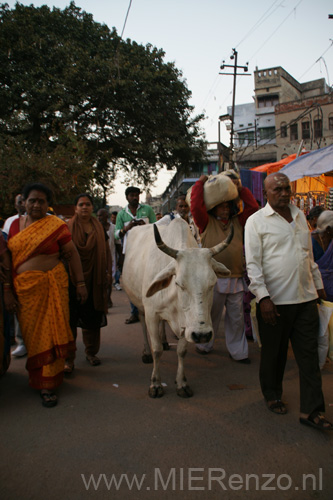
(205, 447)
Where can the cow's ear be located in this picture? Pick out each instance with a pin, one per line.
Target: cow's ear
(162, 280)
(220, 270)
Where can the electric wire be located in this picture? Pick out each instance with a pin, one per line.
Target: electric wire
(262, 19)
(129, 7)
(316, 60)
(279, 26)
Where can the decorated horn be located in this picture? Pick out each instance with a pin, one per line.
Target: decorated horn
(162, 246)
(221, 246)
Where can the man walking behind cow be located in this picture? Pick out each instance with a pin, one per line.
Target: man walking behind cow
(133, 215)
(286, 282)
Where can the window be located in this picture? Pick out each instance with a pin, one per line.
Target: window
(293, 132)
(246, 138)
(241, 139)
(250, 137)
(283, 130)
(318, 128)
(267, 133)
(330, 123)
(306, 130)
(268, 101)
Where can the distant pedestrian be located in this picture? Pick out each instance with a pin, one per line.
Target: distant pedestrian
(135, 214)
(118, 253)
(325, 263)
(20, 350)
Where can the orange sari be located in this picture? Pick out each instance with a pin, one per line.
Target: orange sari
(43, 299)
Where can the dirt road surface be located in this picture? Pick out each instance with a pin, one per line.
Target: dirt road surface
(108, 439)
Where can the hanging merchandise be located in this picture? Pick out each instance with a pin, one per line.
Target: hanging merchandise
(329, 205)
(306, 201)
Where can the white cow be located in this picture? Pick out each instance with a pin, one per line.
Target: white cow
(172, 280)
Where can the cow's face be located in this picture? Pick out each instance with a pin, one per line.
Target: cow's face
(193, 273)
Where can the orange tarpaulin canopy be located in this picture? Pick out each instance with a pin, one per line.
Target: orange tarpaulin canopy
(320, 183)
(270, 168)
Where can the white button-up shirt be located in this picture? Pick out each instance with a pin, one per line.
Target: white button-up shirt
(279, 257)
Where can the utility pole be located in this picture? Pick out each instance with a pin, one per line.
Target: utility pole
(234, 56)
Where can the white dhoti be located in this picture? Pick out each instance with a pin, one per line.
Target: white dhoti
(229, 293)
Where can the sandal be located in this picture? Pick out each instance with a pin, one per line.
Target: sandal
(93, 360)
(318, 421)
(68, 368)
(277, 407)
(132, 319)
(49, 399)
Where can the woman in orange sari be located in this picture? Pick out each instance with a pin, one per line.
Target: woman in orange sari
(41, 285)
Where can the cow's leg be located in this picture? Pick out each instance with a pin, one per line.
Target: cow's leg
(146, 354)
(156, 389)
(183, 390)
(164, 341)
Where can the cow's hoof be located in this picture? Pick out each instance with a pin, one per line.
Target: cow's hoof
(185, 392)
(156, 392)
(147, 358)
(166, 346)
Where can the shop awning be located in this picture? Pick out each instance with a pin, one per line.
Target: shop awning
(312, 164)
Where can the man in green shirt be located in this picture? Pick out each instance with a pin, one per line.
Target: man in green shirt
(133, 215)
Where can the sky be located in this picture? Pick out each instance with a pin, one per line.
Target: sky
(197, 35)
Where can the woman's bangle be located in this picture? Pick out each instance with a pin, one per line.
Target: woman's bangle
(80, 284)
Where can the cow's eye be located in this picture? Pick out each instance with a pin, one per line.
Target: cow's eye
(180, 286)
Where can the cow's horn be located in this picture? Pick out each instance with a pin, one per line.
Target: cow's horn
(221, 246)
(162, 246)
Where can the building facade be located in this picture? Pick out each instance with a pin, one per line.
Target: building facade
(306, 123)
(283, 113)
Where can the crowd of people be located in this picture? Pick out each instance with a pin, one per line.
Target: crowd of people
(58, 276)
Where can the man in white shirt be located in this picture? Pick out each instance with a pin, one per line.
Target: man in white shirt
(286, 283)
(20, 207)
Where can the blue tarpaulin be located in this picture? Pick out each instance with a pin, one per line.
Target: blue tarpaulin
(312, 164)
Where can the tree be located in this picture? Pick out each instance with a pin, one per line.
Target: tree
(65, 170)
(66, 79)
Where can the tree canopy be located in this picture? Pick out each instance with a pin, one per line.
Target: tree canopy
(78, 104)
